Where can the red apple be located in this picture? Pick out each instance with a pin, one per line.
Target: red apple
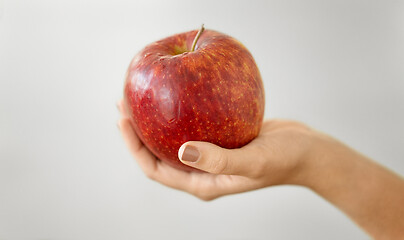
(174, 93)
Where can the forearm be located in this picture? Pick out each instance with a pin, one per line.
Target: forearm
(368, 193)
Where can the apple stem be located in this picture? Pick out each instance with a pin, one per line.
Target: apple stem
(197, 37)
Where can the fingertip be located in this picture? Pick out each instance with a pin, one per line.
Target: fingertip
(181, 151)
(122, 109)
(120, 102)
(122, 122)
(125, 127)
(189, 153)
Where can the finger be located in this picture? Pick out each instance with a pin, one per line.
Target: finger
(151, 166)
(146, 160)
(205, 186)
(246, 161)
(178, 179)
(202, 185)
(122, 109)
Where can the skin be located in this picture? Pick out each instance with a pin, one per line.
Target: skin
(286, 152)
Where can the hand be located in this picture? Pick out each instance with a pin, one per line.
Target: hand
(277, 156)
(285, 152)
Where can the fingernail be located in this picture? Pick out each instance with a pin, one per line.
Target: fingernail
(190, 154)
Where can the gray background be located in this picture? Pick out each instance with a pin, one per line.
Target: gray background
(65, 172)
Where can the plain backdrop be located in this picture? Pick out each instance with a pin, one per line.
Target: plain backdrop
(65, 172)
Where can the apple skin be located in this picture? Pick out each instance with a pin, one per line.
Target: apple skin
(213, 94)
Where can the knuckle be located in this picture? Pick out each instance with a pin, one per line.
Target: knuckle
(258, 164)
(150, 175)
(203, 192)
(206, 197)
(298, 125)
(258, 170)
(221, 165)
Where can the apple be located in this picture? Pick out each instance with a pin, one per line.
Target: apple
(194, 86)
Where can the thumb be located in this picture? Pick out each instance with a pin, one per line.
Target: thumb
(214, 159)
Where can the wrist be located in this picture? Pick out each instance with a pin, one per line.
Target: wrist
(312, 161)
(332, 167)
(324, 161)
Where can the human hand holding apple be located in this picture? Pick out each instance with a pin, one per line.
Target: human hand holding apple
(284, 152)
(203, 91)
(209, 100)
(194, 86)
(278, 155)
